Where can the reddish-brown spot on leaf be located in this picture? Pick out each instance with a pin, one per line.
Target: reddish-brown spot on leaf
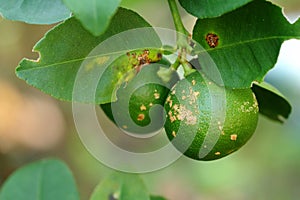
(212, 40)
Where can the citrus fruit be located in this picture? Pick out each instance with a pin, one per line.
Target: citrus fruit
(139, 106)
(206, 121)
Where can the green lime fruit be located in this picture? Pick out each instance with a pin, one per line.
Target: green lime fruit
(139, 106)
(206, 121)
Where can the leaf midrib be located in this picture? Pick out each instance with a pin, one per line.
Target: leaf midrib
(248, 42)
(81, 59)
(197, 52)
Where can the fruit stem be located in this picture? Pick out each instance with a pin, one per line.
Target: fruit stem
(183, 40)
(187, 69)
(176, 18)
(176, 64)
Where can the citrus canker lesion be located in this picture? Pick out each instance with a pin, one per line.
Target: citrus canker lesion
(195, 125)
(204, 121)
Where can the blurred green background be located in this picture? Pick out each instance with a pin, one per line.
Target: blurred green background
(34, 125)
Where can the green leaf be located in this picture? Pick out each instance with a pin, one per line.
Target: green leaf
(121, 186)
(211, 8)
(66, 47)
(122, 70)
(249, 40)
(34, 11)
(93, 14)
(43, 180)
(271, 102)
(157, 198)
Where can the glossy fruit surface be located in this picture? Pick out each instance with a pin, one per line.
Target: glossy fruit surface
(207, 122)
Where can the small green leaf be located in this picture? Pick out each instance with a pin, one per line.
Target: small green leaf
(121, 186)
(244, 44)
(43, 180)
(34, 11)
(157, 198)
(66, 47)
(94, 15)
(211, 8)
(271, 102)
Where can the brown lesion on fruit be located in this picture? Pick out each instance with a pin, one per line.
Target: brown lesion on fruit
(212, 40)
(233, 137)
(141, 117)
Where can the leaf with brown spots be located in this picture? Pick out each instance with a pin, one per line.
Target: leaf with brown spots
(244, 44)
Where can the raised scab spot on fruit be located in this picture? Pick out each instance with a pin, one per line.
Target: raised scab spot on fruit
(184, 114)
(169, 101)
(175, 107)
(143, 107)
(156, 95)
(174, 133)
(212, 40)
(193, 82)
(124, 127)
(141, 117)
(233, 137)
(218, 153)
(247, 108)
(172, 118)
